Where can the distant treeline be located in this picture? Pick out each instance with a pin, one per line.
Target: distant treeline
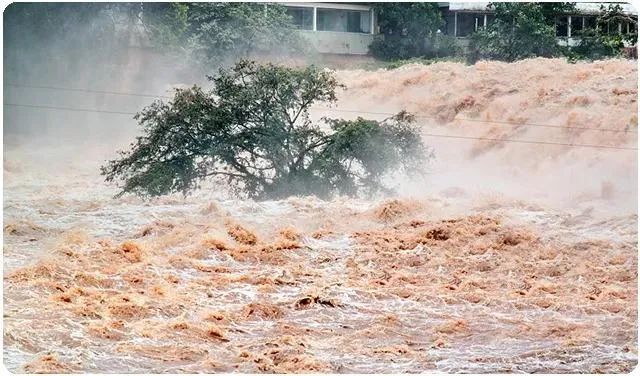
(61, 37)
(518, 31)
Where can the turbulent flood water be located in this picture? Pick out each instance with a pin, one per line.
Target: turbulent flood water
(504, 257)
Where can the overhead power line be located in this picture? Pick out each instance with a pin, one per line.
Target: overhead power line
(69, 109)
(487, 121)
(425, 134)
(502, 122)
(90, 91)
(531, 142)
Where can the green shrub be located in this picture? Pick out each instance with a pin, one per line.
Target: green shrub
(407, 30)
(418, 60)
(519, 31)
(597, 43)
(220, 33)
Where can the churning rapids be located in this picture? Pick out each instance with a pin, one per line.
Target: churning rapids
(505, 257)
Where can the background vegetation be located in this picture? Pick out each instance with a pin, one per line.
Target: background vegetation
(598, 44)
(43, 40)
(519, 31)
(216, 34)
(409, 32)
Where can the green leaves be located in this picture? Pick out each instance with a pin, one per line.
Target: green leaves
(216, 34)
(167, 23)
(413, 19)
(600, 42)
(519, 31)
(405, 28)
(369, 149)
(253, 131)
(46, 41)
(523, 30)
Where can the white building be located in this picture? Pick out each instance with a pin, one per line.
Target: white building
(349, 28)
(463, 19)
(335, 28)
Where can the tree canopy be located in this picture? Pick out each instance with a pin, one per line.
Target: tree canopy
(519, 31)
(44, 40)
(410, 30)
(59, 39)
(604, 40)
(253, 129)
(220, 33)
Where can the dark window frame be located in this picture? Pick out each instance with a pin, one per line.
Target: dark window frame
(301, 10)
(351, 26)
(562, 28)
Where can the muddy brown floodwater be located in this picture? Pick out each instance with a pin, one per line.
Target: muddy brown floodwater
(505, 258)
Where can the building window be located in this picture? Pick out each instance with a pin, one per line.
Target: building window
(629, 26)
(590, 22)
(450, 23)
(624, 27)
(465, 24)
(562, 28)
(609, 27)
(469, 23)
(632, 26)
(613, 27)
(576, 25)
(352, 21)
(490, 19)
(301, 17)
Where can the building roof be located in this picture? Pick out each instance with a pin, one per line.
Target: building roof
(582, 7)
(347, 6)
(595, 7)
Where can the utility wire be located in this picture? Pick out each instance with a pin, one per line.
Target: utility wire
(530, 142)
(341, 110)
(425, 134)
(90, 91)
(68, 109)
(550, 126)
(488, 121)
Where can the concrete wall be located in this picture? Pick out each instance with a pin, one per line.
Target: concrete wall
(334, 42)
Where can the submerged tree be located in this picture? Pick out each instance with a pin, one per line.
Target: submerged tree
(253, 129)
